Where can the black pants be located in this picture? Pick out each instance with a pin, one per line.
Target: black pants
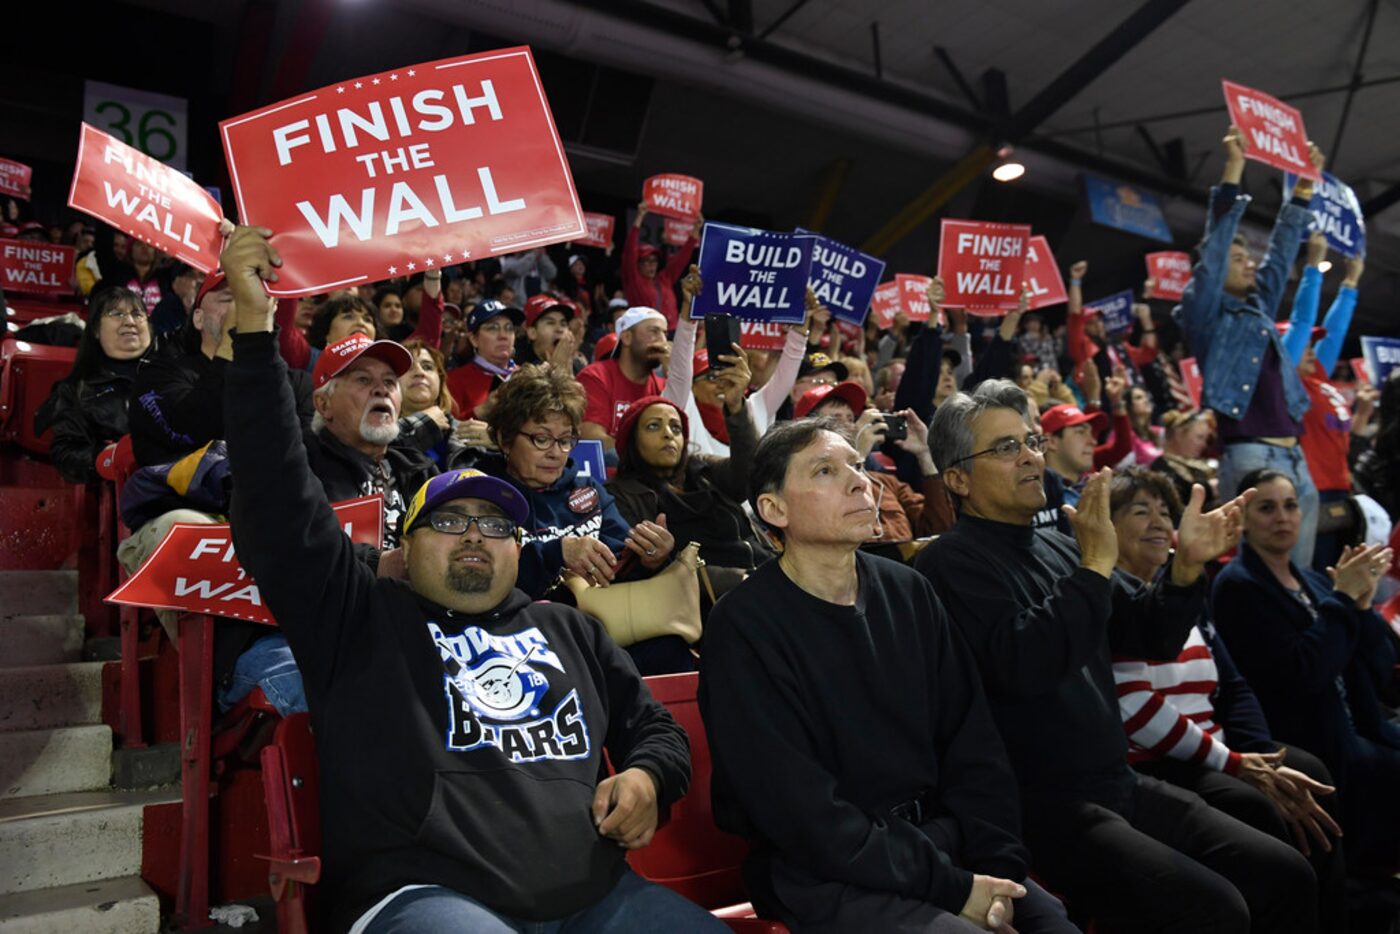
(1244, 802)
(835, 908)
(1171, 863)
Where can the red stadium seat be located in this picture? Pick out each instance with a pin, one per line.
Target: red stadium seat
(690, 855)
(27, 374)
(291, 787)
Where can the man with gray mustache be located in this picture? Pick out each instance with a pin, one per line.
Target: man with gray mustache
(353, 448)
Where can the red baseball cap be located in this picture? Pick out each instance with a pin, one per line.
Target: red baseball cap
(850, 393)
(537, 305)
(336, 357)
(1318, 333)
(212, 281)
(702, 363)
(1059, 417)
(604, 348)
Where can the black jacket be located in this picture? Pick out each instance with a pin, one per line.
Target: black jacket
(426, 778)
(1043, 630)
(822, 718)
(178, 405)
(86, 416)
(347, 474)
(708, 511)
(1317, 676)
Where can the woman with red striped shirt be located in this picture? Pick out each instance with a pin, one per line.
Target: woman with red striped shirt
(1194, 722)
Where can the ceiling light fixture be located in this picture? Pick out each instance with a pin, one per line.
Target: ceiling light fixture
(1007, 169)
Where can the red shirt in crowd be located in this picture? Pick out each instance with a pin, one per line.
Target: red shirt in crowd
(470, 385)
(1326, 434)
(658, 293)
(610, 392)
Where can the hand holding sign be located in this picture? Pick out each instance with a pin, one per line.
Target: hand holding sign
(442, 162)
(1167, 275)
(1042, 275)
(249, 260)
(760, 275)
(146, 199)
(1273, 131)
(982, 264)
(672, 195)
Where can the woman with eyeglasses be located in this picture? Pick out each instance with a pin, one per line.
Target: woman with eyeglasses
(573, 523)
(88, 408)
(1317, 654)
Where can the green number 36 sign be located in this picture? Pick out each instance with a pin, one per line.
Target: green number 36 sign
(156, 124)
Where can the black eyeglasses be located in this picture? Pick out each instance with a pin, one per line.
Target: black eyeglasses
(454, 523)
(542, 442)
(1009, 448)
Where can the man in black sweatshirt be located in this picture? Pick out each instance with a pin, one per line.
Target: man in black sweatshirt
(851, 740)
(1043, 619)
(460, 728)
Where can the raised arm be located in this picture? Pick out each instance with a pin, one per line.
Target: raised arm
(680, 371)
(310, 581)
(1294, 218)
(292, 343)
(1305, 301)
(1080, 347)
(429, 329)
(1338, 320)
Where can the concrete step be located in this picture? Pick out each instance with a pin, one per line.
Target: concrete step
(44, 762)
(29, 593)
(66, 839)
(51, 639)
(112, 906)
(43, 697)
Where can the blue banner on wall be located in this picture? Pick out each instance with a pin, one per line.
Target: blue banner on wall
(758, 275)
(1127, 208)
(843, 278)
(1382, 357)
(1336, 212)
(1117, 311)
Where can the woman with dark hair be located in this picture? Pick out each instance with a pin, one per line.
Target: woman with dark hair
(87, 408)
(1146, 437)
(700, 496)
(1378, 468)
(1315, 652)
(573, 523)
(1193, 721)
(388, 301)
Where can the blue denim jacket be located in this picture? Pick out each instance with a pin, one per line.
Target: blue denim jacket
(1230, 336)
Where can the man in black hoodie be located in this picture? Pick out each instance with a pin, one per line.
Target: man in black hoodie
(460, 728)
(1043, 618)
(852, 743)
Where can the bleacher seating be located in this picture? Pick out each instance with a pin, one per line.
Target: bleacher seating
(27, 374)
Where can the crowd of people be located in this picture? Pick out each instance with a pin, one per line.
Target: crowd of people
(968, 584)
